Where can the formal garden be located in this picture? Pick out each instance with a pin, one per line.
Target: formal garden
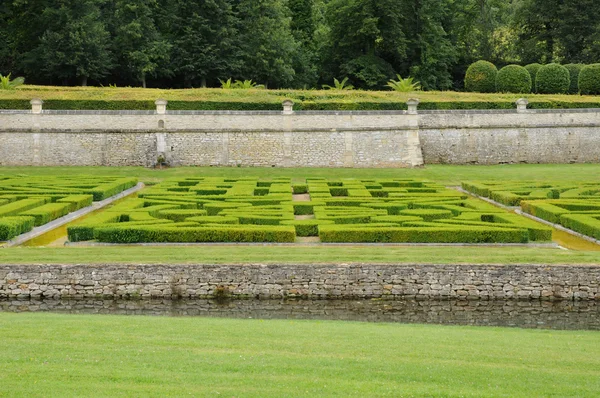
(202, 275)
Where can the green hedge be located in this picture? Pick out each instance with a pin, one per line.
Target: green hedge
(179, 215)
(15, 208)
(481, 77)
(553, 79)
(589, 80)
(307, 227)
(48, 212)
(574, 71)
(147, 234)
(533, 70)
(15, 226)
(85, 230)
(587, 224)
(513, 79)
(463, 234)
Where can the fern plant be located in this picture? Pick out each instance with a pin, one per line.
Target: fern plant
(226, 84)
(337, 85)
(239, 84)
(7, 84)
(246, 84)
(404, 85)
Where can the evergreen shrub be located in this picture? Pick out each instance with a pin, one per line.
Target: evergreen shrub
(513, 79)
(553, 79)
(589, 80)
(533, 70)
(481, 77)
(574, 70)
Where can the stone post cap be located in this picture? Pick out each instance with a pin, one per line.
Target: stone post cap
(523, 101)
(36, 105)
(161, 106)
(522, 104)
(412, 103)
(288, 107)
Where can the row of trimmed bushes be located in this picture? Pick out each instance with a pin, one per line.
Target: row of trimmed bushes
(484, 77)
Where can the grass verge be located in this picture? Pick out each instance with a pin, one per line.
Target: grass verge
(148, 356)
(295, 255)
(444, 174)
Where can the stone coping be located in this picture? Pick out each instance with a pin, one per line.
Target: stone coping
(301, 113)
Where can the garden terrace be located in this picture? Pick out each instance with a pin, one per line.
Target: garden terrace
(214, 209)
(28, 202)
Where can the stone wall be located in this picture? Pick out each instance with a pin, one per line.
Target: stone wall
(495, 137)
(308, 139)
(308, 281)
(300, 139)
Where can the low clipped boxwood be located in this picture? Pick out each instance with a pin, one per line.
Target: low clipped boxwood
(589, 79)
(533, 70)
(553, 79)
(513, 79)
(574, 70)
(481, 77)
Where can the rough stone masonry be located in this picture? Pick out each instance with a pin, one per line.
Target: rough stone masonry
(342, 281)
(298, 139)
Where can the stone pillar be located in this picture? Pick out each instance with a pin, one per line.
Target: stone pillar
(288, 107)
(161, 106)
(36, 105)
(522, 105)
(412, 103)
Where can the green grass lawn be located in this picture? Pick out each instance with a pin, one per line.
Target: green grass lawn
(295, 255)
(445, 174)
(49, 355)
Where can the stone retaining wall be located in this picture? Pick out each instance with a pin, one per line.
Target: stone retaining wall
(298, 139)
(307, 281)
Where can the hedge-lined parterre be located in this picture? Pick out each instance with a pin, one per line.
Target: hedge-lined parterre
(573, 205)
(31, 201)
(214, 209)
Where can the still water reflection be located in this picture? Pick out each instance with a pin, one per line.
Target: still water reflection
(565, 315)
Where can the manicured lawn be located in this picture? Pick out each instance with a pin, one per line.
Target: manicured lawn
(53, 355)
(445, 174)
(294, 255)
(274, 97)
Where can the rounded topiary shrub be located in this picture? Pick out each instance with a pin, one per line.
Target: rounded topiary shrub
(574, 70)
(589, 79)
(481, 77)
(553, 79)
(533, 70)
(513, 79)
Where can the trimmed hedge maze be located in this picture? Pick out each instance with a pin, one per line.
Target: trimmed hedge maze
(573, 205)
(28, 202)
(256, 210)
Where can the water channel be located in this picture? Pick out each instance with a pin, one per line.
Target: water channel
(558, 315)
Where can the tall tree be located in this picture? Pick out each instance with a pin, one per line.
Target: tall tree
(138, 45)
(76, 43)
(366, 40)
(431, 52)
(267, 43)
(205, 41)
(303, 28)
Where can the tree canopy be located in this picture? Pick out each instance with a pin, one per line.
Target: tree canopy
(288, 43)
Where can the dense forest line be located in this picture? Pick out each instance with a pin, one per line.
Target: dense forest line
(287, 43)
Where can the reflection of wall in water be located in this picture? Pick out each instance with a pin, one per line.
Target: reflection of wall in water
(565, 315)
